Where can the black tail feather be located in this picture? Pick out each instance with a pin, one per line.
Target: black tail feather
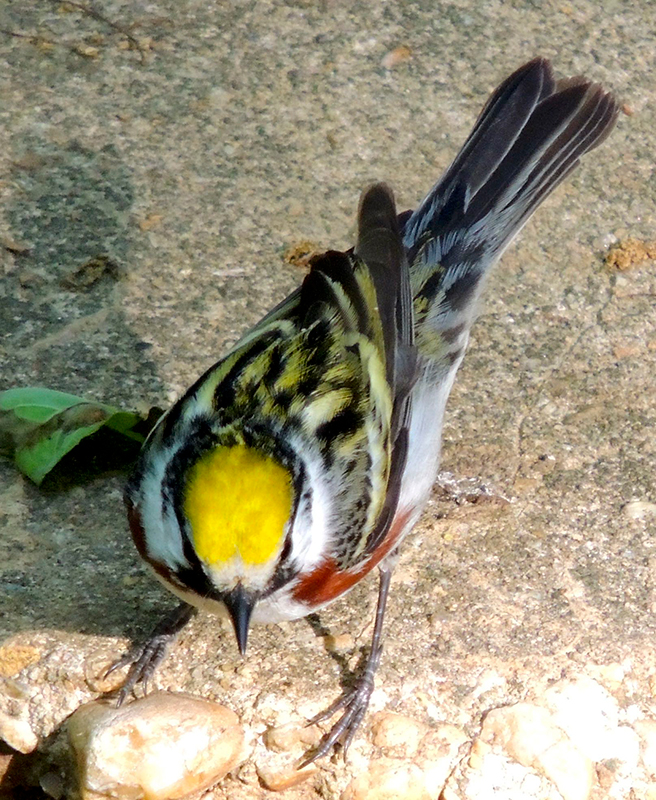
(528, 138)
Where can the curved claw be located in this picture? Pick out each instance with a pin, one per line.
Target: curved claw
(356, 702)
(144, 658)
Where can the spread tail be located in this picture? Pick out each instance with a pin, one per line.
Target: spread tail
(530, 135)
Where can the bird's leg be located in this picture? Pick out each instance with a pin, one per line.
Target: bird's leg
(145, 657)
(356, 699)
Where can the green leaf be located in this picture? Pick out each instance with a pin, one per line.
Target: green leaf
(36, 404)
(43, 425)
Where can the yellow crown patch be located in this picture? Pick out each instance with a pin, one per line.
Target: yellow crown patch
(237, 502)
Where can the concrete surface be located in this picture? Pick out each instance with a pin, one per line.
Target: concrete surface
(188, 167)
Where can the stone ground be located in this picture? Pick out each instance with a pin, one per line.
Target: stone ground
(148, 197)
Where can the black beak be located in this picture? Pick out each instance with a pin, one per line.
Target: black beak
(240, 606)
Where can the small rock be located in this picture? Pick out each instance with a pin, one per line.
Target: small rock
(163, 746)
(285, 738)
(646, 730)
(397, 734)
(87, 51)
(389, 779)
(48, 689)
(301, 254)
(151, 221)
(83, 276)
(589, 716)
(438, 753)
(611, 675)
(441, 740)
(17, 733)
(449, 793)
(528, 734)
(277, 780)
(523, 730)
(630, 253)
(52, 785)
(477, 754)
(622, 351)
(639, 509)
(5, 764)
(571, 772)
(96, 667)
(497, 776)
(339, 643)
(13, 690)
(17, 248)
(606, 774)
(15, 657)
(526, 485)
(397, 56)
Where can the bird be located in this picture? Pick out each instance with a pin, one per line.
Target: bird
(298, 463)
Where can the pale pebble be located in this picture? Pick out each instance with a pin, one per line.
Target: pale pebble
(161, 747)
(388, 779)
(528, 734)
(397, 734)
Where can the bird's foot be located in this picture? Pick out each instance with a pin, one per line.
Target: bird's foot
(144, 658)
(354, 702)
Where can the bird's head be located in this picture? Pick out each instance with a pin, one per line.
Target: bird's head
(216, 524)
